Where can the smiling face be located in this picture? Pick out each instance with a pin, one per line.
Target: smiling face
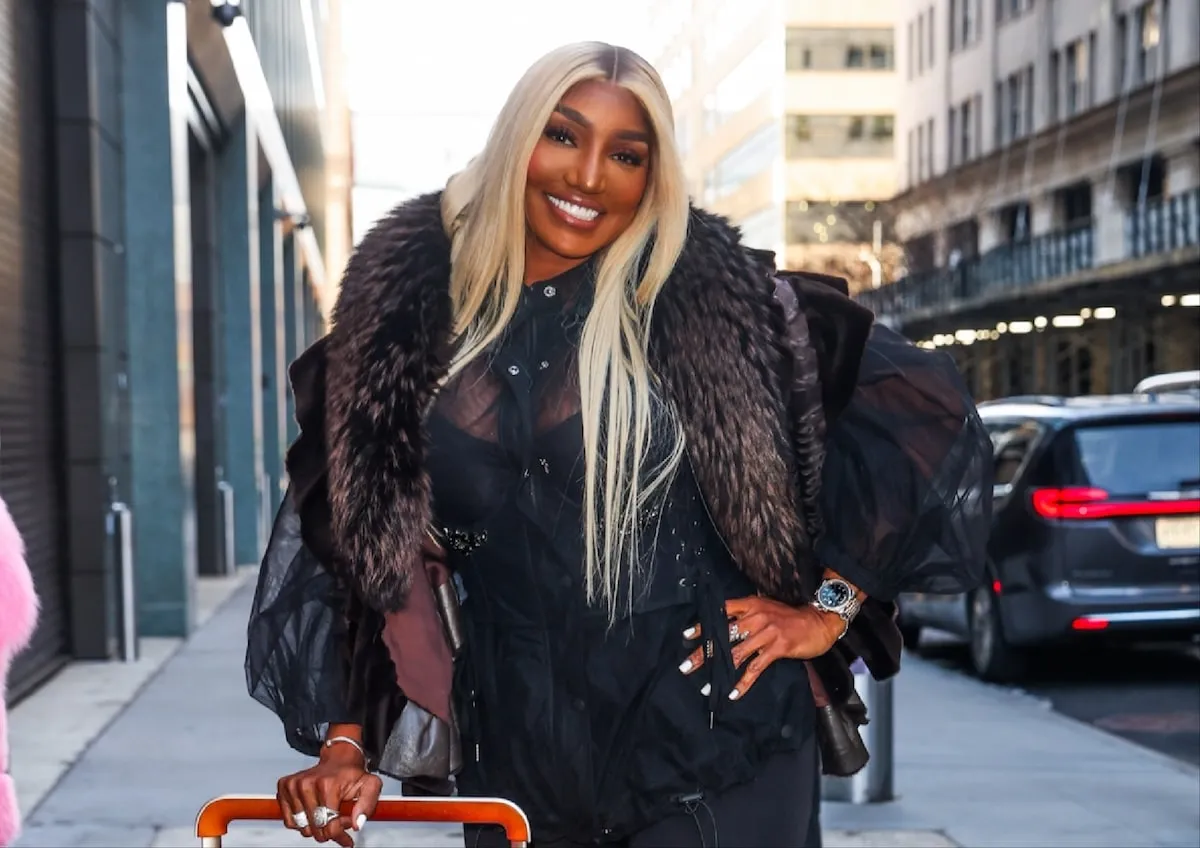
(586, 178)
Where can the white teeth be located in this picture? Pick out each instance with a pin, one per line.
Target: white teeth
(580, 212)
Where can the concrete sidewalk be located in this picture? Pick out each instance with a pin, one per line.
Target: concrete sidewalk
(975, 765)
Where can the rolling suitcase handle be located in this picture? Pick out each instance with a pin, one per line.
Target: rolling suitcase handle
(212, 823)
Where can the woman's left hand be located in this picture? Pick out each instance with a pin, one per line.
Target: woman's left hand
(763, 631)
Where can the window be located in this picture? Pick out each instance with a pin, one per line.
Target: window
(1149, 38)
(921, 43)
(829, 49)
(833, 222)
(962, 241)
(839, 136)
(911, 48)
(977, 109)
(1122, 53)
(998, 118)
(1027, 91)
(921, 153)
(1007, 10)
(1012, 443)
(931, 31)
(1014, 106)
(1075, 202)
(1055, 83)
(1014, 222)
(951, 136)
(761, 229)
(741, 86)
(747, 160)
(1136, 459)
(964, 23)
(929, 147)
(962, 123)
(912, 157)
(966, 132)
(1079, 80)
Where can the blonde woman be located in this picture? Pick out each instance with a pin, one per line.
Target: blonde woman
(656, 475)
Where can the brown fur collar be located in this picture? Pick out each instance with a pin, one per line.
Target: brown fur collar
(717, 343)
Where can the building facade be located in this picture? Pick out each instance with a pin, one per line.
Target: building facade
(1048, 154)
(172, 221)
(785, 115)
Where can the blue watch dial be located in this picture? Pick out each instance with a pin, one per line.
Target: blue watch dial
(834, 594)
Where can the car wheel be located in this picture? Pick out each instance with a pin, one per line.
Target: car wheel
(992, 658)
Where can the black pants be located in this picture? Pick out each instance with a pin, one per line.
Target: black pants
(780, 808)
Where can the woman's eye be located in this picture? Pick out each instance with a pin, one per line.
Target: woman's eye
(560, 135)
(631, 159)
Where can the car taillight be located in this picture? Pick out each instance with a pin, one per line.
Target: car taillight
(1089, 504)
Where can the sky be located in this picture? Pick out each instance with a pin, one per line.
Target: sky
(426, 79)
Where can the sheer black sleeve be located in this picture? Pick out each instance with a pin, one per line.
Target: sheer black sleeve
(906, 488)
(313, 655)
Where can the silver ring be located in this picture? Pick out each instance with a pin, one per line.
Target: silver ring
(736, 635)
(300, 819)
(323, 816)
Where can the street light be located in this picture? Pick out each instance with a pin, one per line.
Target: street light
(225, 12)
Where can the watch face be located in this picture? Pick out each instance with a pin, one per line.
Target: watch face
(833, 594)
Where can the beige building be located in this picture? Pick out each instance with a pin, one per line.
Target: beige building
(785, 114)
(1048, 155)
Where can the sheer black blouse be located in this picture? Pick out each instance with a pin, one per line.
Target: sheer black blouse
(591, 728)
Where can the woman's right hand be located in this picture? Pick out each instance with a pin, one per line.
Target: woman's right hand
(339, 776)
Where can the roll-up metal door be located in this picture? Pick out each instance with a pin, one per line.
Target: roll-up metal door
(29, 447)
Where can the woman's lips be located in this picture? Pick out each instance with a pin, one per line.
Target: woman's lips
(573, 214)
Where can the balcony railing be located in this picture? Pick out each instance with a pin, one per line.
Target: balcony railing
(1004, 269)
(1164, 224)
(1158, 227)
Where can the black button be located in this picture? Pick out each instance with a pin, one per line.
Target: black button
(579, 704)
(684, 582)
(566, 581)
(786, 731)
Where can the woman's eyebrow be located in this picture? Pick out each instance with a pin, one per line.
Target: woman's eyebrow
(581, 119)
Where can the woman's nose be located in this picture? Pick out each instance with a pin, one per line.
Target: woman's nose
(588, 173)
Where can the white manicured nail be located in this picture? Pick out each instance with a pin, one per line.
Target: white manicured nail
(685, 666)
(690, 633)
(706, 689)
(734, 695)
(360, 821)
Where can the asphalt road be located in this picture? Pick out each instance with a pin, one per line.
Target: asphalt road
(1149, 695)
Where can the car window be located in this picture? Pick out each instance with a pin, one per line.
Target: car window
(1011, 443)
(1138, 458)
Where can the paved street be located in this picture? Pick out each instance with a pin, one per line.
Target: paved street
(975, 765)
(1149, 695)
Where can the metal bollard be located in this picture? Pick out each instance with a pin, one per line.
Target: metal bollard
(225, 492)
(264, 510)
(874, 784)
(122, 517)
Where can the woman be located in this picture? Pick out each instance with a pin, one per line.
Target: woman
(615, 418)
(18, 616)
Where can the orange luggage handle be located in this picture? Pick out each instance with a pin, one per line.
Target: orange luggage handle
(212, 822)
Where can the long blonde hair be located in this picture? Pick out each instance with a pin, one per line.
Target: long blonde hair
(483, 209)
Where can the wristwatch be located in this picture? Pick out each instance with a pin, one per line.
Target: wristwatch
(837, 596)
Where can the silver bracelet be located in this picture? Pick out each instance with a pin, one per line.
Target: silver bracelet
(349, 741)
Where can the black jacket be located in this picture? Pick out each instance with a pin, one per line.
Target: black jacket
(853, 449)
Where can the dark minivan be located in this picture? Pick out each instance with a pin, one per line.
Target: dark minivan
(1096, 531)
